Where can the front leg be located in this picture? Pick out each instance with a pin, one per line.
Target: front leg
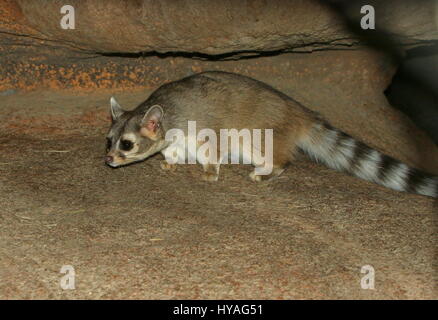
(211, 172)
(166, 166)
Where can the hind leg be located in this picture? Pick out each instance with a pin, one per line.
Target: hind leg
(279, 163)
(276, 171)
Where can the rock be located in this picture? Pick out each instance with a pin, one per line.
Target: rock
(218, 27)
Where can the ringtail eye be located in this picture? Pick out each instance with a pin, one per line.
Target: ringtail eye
(108, 144)
(126, 145)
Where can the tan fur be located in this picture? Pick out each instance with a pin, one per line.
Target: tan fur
(221, 100)
(148, 134)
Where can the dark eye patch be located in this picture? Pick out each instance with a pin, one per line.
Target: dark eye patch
(108, 144)
(126, 145)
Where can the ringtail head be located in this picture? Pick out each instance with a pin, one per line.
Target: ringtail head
(134, 135)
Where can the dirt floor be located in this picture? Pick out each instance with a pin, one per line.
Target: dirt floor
(138, 232)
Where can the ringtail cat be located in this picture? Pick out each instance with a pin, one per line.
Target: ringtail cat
(219, 100)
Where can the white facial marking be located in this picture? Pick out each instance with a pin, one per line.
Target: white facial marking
(130, 137)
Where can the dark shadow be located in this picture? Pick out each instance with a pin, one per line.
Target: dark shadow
(414, 89)
(418, 97)
(235, 55)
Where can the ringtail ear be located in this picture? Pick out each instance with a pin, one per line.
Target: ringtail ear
(151, 122)
(116, 109)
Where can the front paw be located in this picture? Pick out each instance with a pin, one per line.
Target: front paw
(210, 176)
(164, 165)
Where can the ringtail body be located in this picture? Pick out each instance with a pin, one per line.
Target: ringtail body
(219, 100)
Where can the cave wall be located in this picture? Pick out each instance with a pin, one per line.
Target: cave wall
(36, 52)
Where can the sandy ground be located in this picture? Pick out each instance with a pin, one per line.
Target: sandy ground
(139, 232)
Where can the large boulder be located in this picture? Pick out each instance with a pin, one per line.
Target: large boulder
(227, 27)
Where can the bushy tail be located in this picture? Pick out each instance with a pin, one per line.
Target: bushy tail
(340, 151)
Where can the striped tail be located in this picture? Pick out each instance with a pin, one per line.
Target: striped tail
(340, 151)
